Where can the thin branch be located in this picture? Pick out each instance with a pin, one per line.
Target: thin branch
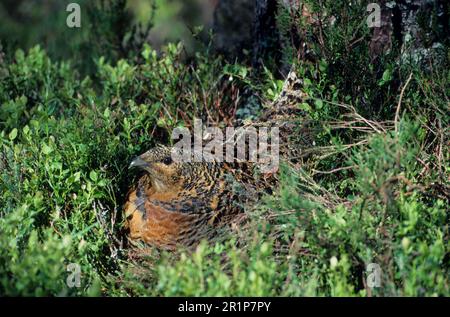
(334, 170)
(397, 112)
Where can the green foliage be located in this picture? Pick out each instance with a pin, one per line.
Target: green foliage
(375, 189)
(311, 247)
(380, 225)
(65, 146)
(339, 44)
(210, 271)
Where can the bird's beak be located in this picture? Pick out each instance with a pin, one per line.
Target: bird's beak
(138, 162)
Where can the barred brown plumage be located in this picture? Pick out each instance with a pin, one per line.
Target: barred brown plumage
(178, 203)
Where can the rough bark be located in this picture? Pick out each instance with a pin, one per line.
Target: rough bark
(232, 27)
(266, 41)
(246, 30)
(420, 28)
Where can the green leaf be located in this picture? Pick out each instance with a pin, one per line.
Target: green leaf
(46, 149)
(93, 176)
(26, 129)
(107, 113)
(13, 134)
(161, 122)
(318, 103)
(307, 82)
(243, 72)
(304, 106)
(387, 76)
(323, 66)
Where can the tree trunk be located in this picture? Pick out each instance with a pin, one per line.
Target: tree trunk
(266, 40)
(232, 27)
(420, 28)
(246, 30)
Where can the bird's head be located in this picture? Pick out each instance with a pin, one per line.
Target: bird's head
(164, 172)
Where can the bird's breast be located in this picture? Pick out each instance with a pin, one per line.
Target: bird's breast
(164, 219)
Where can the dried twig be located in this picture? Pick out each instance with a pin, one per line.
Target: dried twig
(397, 112)
(344, 168)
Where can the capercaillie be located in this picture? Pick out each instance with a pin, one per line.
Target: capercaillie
(179, 203)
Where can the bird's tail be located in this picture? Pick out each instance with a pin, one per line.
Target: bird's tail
(291, 95)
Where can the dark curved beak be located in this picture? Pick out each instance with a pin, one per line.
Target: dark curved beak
(139, 163)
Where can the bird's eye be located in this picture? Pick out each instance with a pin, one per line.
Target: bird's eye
(167, 160)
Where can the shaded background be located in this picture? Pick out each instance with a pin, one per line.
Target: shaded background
(27, 23)
(106, 26)
(116, 29)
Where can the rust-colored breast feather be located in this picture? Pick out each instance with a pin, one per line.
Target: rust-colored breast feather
(149, 219)
(189, 200)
